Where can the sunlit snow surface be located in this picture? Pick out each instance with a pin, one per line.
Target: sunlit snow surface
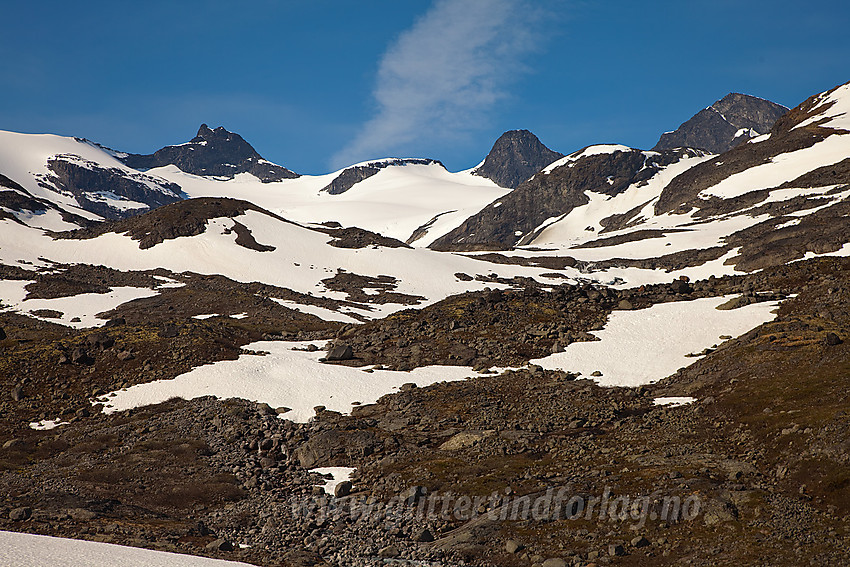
(301, 259)
(340, 474)
(646, 345)
(394, 202)
(673, 401)
(28, 550)
(84, 306)
(47, 424)
(284, 377)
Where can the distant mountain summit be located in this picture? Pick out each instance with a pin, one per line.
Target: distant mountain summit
(215, 153)
(725, 124)
(515, 157)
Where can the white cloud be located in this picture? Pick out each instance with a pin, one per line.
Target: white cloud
(443, 75)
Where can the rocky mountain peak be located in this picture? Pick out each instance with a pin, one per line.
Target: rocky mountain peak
(515, 157)
(725, 124)
(217, 153)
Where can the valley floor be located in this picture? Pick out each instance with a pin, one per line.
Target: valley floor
(529, 466)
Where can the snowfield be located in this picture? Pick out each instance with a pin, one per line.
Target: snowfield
(641, 347)
(28, 550)
(24, 157)
(283, 377)
(83, 307)
(301, 260)
(394, 202)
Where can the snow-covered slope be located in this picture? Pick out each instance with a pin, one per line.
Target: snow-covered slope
(411, 200)
(79, 177)
(28, 550)
(285, 254)
(413, 203)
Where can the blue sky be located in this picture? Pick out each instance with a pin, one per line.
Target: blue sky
(317, 84)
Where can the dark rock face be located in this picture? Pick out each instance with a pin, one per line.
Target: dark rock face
(19, 199)
(355, 174)
(100, 189)
(714, 128)
(513, 219)
(516, 156)
(217, 153)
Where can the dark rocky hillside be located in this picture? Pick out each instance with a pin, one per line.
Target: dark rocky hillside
(14, 198)
(183, 218)
(715, 128)
(514, 218)
(763, 449)
(216, 153)
(515, 157)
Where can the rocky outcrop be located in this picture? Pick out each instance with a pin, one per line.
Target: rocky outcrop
(184, 218)
(216, 153)
(516, 156)
(731, 120)
(110, 192)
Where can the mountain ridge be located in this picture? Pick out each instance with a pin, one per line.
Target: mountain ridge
(217, 153)
(723, 125)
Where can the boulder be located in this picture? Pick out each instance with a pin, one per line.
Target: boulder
(340, 351)
(335, 448)
(80, 356)
(681, 286)
(640, 541)
(343, 489)
(220, 544)
(99, 341)
(466, 439)
(20, 514)
(388, 552)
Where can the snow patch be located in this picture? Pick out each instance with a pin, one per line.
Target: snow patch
(637, 347)
(28, 550)
(340, 474)
(83, 306)
(47, 424)
(673, 401)
(281, 376)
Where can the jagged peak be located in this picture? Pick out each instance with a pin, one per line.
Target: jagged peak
(516, 156)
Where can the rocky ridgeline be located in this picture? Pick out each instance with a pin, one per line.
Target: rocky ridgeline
(728, 122)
